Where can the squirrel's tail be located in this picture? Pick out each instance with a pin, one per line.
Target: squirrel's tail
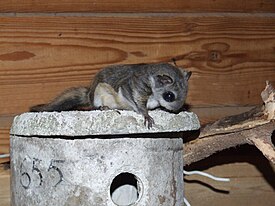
(71, 99)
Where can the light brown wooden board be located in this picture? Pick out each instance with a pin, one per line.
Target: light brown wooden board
(4, 187)
(4, 144)
(5, 123)
(243, 189)
(251, 179)
(231, 57)
(137, 6)
(211, 114)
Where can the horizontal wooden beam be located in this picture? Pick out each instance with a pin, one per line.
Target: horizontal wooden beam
(4, 142)
(137, 6)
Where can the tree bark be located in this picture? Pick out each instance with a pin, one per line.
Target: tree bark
(255, 127)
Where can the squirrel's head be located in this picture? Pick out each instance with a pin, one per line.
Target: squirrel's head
(170, 86)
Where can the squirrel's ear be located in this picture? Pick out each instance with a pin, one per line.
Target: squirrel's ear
(188, 74)
(164, 79)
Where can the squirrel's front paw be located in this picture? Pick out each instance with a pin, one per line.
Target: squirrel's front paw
(149, 121)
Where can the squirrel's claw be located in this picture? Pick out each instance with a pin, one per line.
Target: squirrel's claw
(149, 121)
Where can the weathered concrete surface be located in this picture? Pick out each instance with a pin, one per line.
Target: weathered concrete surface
(48, 171)
(79, 123)
(52, 164)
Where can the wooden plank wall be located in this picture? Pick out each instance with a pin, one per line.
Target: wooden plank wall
(138, 6)
(47, 46)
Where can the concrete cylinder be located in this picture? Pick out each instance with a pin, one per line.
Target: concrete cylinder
(98, 158)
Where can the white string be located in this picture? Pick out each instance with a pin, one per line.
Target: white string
(195, 172)
(220, 179)
(186, 202)
(4, 155)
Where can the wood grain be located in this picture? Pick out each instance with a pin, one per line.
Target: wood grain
(137, 6)
(243, 189)
(5, 123)
(251, 179)
(231, 57)
(4, 160)
(5, 186)
(4, 140)
(211, 114)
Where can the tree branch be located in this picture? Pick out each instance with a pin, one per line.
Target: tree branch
(253, 127)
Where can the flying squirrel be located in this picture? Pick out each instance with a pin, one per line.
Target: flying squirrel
(138, 87)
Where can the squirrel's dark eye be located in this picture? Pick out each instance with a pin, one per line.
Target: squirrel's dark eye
(168, 96)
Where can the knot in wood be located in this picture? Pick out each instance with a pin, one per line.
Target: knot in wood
(214, 56)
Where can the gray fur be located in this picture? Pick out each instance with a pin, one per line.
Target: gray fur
(142, 87)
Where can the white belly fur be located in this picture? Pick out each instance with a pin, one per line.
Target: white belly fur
(106, 96)
(152, 103)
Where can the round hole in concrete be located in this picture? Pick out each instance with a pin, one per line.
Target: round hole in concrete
(126, 189)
